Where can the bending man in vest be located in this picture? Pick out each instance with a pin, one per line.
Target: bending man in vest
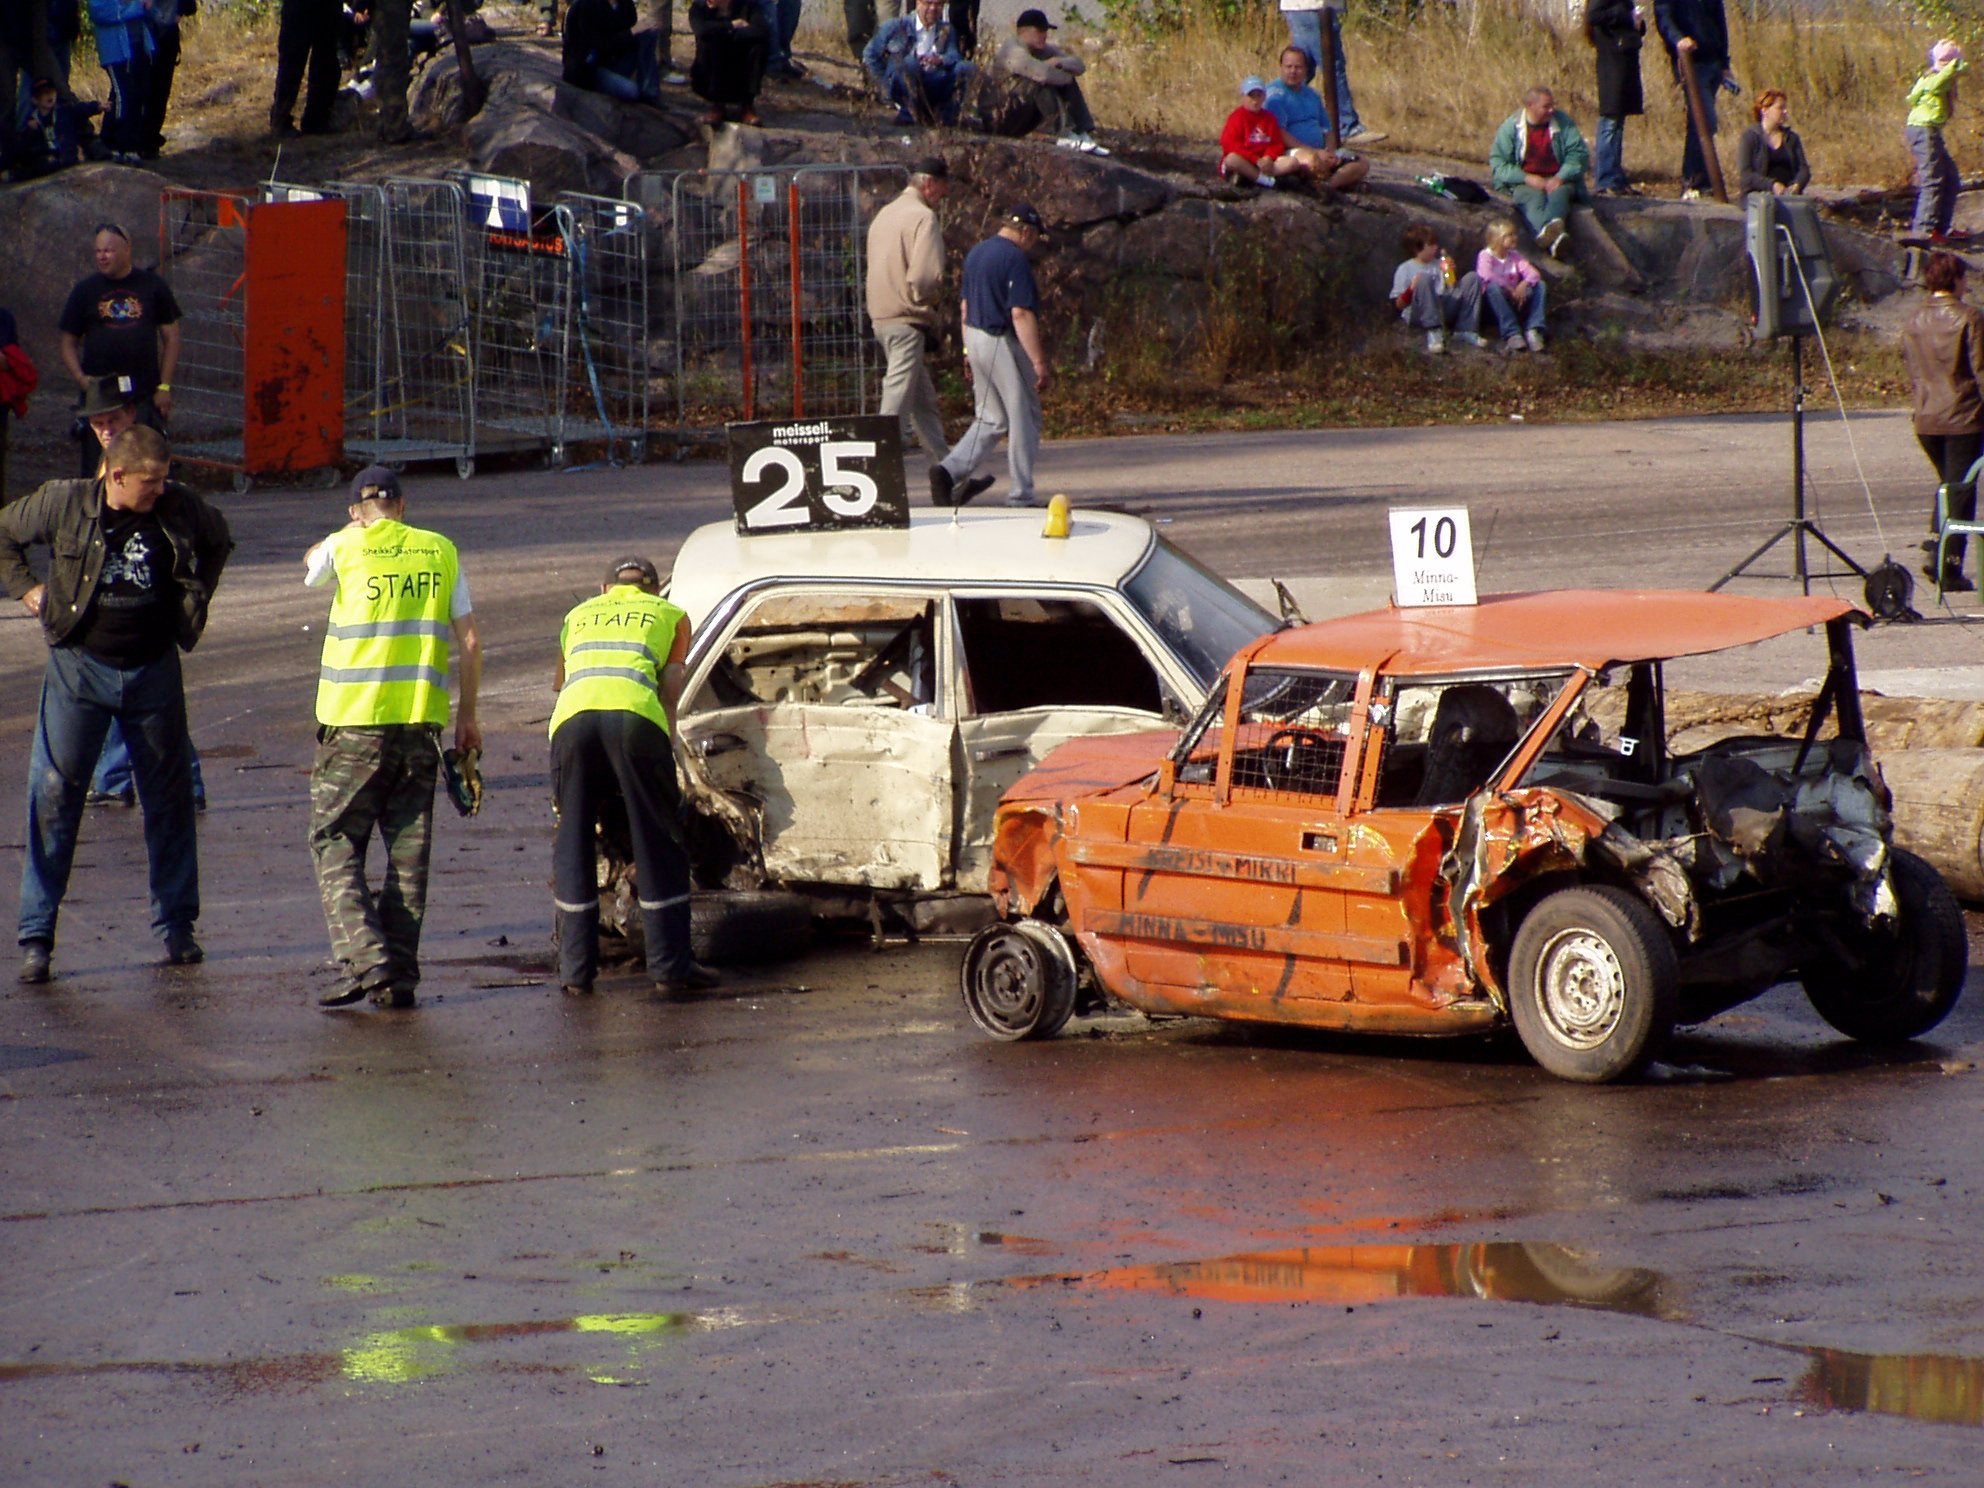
(619, 678)
(382, 701)
(133, 563)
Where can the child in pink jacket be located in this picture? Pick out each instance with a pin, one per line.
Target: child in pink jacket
(1511, 289)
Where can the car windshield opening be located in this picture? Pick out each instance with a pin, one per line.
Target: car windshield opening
(1201, 617)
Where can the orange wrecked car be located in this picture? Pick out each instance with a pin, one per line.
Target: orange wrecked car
(1448, 821)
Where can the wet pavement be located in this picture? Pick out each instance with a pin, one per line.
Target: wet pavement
(811, 1228)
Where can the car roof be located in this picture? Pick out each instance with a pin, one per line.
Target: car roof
(1102, 548)
(1592, 628)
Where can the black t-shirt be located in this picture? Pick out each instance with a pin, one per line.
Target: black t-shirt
(118, 321)
(129, 622)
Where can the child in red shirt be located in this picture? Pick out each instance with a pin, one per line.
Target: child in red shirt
(1254, 149)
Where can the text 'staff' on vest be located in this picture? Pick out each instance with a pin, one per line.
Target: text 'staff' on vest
(386, 648)
(615, 648)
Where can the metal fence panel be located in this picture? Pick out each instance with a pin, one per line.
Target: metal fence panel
(424, 404)
(203, 254)
(765, 307)
(604, 391)
(519, 300)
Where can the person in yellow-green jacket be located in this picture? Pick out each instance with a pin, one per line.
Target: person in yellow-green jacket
(400, 605)
(619, 677)
(1930, 103)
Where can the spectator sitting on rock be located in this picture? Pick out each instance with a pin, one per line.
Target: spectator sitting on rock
(915, 61)
(1771, 155)
(603, 55)
(51, 138)
(1425, 299)
(733, 44)
(1037, 83)
(1511, 288)
(1253, 148)
(1294, 104)
(1539, 158)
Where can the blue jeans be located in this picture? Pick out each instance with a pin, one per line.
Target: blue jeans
(784, 16)
(633, 75)
(1694, 168)
(79, 697)
(1936, 179)
(1609, 154)
(941, 89)
(1305, 30)
(113, 766)
(1512, 319)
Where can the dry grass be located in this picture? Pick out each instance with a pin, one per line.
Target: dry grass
(1440, 91)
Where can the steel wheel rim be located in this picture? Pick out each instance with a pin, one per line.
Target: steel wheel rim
(1008, 981)
(1581, 989)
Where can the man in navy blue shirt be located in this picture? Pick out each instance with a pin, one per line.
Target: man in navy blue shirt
(1005, 360)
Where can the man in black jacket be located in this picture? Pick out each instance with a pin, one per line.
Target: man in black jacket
(133, 563)
(1697, 36)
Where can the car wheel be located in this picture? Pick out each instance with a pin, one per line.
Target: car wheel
(749, 926)
(1901, 982)
(1019, 980)
(1593, 982)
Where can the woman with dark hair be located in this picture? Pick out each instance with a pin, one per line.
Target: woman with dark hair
(1943, 349)
(1770, 153)
(1617, 30)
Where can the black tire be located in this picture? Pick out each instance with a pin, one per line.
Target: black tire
(1899, 984)
(749, 926)
(1593, 984)
(1018, 980)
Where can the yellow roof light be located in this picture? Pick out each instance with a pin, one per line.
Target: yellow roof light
(1057, 518)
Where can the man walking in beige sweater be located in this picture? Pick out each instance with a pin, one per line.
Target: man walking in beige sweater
(905, 277)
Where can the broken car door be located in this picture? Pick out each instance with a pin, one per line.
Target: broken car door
(823, 710)
(1036, 671)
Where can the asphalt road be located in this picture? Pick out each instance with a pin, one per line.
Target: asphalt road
(812, 1229)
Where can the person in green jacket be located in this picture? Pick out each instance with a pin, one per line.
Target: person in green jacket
(1539, 158)
(1929, 104)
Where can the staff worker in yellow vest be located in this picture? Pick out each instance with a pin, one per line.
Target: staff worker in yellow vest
(619, 678)
(382, 701)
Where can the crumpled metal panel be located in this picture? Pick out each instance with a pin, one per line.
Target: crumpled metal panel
(852, 796)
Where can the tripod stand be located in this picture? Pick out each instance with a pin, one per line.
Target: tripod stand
(1800, 526)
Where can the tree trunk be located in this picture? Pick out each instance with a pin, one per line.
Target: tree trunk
(393, 67)
(475, 92)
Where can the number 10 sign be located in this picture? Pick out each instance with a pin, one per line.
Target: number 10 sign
(1432, 556)
(813, 475)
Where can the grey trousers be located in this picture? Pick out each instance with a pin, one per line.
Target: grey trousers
(1006, 403)
(1456, 309)
(907, 390)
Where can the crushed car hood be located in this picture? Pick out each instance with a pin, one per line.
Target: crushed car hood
(1091, 767)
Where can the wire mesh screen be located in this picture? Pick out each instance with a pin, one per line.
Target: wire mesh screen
(604, 381)
(1292, 732)
(519, 300)
(764, 312)
(423, 399)
(203, 255)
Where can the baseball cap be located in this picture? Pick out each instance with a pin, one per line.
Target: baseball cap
(932, 166)
(376, 483)
(1035, 18)
(107, 395)
(1024, 214)
(634, 564)
(1252, 85)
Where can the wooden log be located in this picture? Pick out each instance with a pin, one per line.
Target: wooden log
(1939, 812)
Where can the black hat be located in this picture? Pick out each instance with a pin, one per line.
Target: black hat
(1035, 18)
(1024, 214)
(108, 394)
(932, 166)
(375, 483)
(637, 565)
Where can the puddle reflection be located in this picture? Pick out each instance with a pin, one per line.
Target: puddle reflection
(402, 1356)
(1943, 1388)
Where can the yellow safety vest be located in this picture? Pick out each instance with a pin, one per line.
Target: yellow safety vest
(386, 649)
(615, 647)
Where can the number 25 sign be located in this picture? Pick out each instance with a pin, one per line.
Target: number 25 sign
(1432, 556)
(816, 475)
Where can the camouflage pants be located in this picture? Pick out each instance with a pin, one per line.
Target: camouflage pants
(365, 780)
